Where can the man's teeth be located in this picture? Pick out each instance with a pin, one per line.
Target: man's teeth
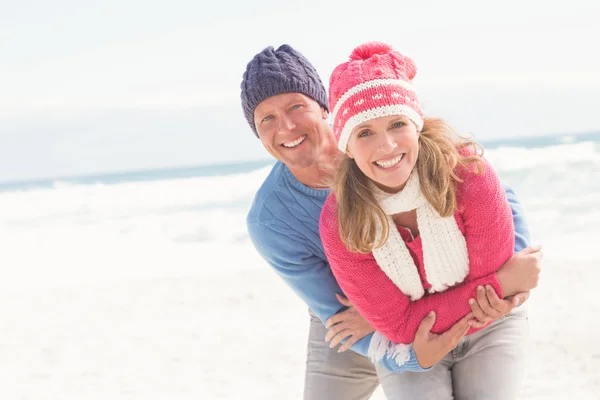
(389, 163)
(295, 142)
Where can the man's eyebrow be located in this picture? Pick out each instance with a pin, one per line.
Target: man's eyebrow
(296, 100)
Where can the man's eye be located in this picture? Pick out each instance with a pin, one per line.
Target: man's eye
(296, 106)
(267, 118)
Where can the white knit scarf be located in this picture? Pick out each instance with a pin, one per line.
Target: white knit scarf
(445, 255)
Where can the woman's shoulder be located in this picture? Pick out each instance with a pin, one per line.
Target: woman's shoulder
(469, 169)
(329, 213)
(475, 176)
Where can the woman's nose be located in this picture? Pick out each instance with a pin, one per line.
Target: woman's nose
(387, 143)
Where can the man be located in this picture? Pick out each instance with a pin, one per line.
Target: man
(285, 104)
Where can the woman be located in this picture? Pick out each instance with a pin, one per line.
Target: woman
(418, 222)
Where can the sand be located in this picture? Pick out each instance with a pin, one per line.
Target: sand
(239, 334)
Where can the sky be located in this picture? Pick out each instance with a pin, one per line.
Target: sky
(97, 87)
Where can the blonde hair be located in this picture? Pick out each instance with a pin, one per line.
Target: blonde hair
(441, 151)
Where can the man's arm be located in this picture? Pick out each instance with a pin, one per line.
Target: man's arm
(311, 279)
(522, 238)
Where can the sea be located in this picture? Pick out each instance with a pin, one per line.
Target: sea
(190, 221)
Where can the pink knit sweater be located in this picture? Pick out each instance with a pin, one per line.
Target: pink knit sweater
(484, 218)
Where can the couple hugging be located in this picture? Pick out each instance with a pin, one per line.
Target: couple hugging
(392, 228)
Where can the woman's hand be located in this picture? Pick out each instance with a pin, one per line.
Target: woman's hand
(521, 273)
(431, 348)
(346, 324)
(489, 307)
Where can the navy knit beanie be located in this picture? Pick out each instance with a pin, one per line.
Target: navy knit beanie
(272, 72)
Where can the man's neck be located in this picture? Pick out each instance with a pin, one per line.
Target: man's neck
(319, 175)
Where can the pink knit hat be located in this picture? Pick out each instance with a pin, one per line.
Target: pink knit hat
(376, 82)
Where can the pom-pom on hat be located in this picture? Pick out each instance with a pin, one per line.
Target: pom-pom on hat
(375, 82)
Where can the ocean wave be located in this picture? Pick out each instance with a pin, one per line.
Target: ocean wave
(557, 185)
(77, 201)
(559, 156)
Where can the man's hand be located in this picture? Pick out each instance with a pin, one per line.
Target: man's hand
(431, 348)
(346, 324)
(488, 307)
(521, 272)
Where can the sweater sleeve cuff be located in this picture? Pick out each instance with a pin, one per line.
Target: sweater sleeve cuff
(413, 365)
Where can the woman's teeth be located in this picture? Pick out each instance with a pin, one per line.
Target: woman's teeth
(390, 163)
(295, 143)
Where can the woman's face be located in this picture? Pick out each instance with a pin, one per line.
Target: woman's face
(385, 149)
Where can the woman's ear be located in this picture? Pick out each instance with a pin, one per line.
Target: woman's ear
(349, 153)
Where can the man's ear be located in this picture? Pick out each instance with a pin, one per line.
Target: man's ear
(324, 113)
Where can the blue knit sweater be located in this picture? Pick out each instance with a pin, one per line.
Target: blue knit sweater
(283, 224)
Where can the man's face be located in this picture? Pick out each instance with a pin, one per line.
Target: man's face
(293, 128)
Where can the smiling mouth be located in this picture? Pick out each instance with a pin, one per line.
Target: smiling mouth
(294, 143)
(389, 163)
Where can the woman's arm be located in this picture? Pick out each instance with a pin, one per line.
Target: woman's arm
(389, 310)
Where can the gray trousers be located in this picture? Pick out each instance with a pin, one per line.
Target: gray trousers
(486, 365)
(335, 376)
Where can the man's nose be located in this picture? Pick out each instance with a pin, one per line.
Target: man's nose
(286, 124)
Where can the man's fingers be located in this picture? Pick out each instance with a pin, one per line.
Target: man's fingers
(495, 308)
(496, 302)
(485, 305)
(353, 339)
(530, 249)
(337, 339)
(467, 325)
(343, 300)
(452, 336)
(336, 319)
(334, 330)
(477, 311)
(538, 254)
(520, 298)
(477, 324)
(426, 324)
(330, 322)
(464, 331)
(460, 326)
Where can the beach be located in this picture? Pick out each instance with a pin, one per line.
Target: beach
(240, 334)
(148, 287)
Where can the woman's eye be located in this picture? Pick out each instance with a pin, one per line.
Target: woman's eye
(398, 124)
(363, 134)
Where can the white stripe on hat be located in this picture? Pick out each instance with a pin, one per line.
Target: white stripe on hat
(385, 111)
(367, 85)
